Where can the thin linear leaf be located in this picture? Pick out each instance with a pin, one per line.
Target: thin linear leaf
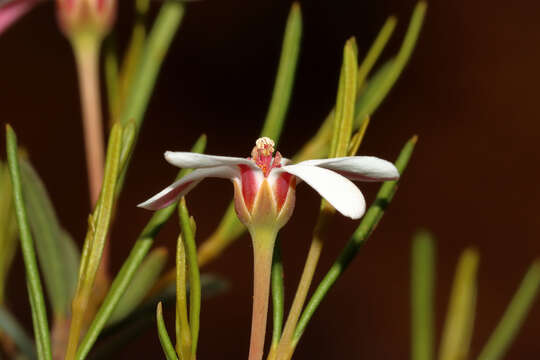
(343, 116)
(277, 294)
(16, 332)
(142, 282)
(377, 90)
(144, 79)
(164, 339)
(8, 228)
(458, 327)
(281, 95)
(126, 273)
(194, 276)
(513, 317)
(56, 250)
(422, 296)
(98, 228)
(362, 233)
(35, 291)
(183, 330)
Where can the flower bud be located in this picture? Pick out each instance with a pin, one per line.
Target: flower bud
(86, 17)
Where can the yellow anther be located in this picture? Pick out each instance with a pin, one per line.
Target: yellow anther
(265, 145)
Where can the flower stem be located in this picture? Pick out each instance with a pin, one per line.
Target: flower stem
(86, 50)
(87, 56)
(263, 247)
(285, 347)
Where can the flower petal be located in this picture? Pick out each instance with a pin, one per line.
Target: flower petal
(340, 192)
(13, 10)
(191, 160)
(181, 187)
(359, 168)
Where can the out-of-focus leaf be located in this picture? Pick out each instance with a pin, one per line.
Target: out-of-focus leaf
(281, 96)
(514, 315)
(141, 283)
(457, 332)
(10, 326)
(8, 228)
(422, 296)
(183, 332)
(33, 282)
(56, 250)
(386, 77)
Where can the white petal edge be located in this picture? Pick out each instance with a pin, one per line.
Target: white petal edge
(181, 187)
(191, 160)
(360, 168)
(339, 191)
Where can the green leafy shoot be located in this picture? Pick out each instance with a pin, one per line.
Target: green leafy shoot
(362, 233)
(422, 296)
(35, 290)
(130, 266)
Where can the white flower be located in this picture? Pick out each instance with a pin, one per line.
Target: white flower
(265, 183)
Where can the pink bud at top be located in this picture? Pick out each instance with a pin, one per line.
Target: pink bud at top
(80, 17)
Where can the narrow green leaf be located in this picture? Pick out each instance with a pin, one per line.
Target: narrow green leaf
(369, 102)
(144, 79)
(343, 116)
(281, 95)
(457, 332)
(10, 326)
(98, 228)
(56, 250)
(194, 276)
(183, 330)
(144, 279)
(8, 228)
(35, 291)
(375, 50)
(277, 294)
(167, 22)
(513, 317)
(126, 273)
(362, 233)
(164, 339)
(422, 296)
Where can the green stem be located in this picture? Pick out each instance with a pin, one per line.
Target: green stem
(263, 247)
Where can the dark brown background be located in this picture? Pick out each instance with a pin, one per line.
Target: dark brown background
(470, 92)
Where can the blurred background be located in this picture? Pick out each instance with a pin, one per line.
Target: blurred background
(469, 92)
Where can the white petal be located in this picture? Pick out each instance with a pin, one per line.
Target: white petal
(191, 160)
(181, 187)
(336, 189)
(362, 168)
